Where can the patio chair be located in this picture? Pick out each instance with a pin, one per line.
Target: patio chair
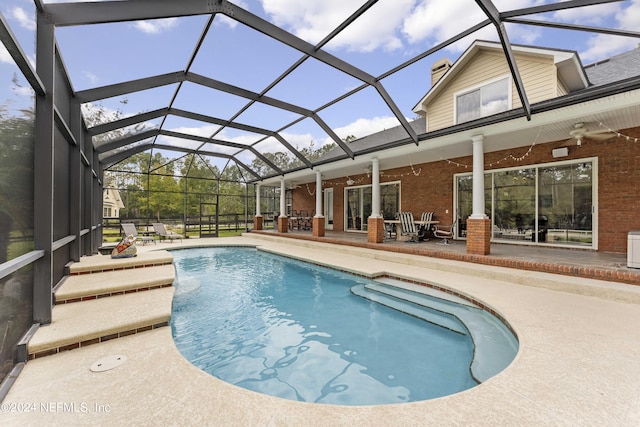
(426, 228)
(408, 226)
(161, 231)
(390, 229)
(445, 233)
(130, 229)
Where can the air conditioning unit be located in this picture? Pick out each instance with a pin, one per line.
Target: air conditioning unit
(633, 249)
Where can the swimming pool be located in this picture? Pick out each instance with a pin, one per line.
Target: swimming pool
(301, 332)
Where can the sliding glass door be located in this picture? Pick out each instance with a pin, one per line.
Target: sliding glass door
(550, 203)
(358, 204)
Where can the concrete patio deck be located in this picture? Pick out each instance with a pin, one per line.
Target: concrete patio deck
(578, 364)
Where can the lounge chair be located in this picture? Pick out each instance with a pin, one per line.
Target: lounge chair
(161, 231)
(445, 233)
(131, 230)
(408, 226)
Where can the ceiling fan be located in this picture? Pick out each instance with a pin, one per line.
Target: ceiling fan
(581, 131)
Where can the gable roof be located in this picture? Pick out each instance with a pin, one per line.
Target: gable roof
(570, 68)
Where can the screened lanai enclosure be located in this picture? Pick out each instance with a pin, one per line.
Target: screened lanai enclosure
(181, 111)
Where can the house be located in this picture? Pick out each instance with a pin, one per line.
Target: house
(111, 203)
(565, 176)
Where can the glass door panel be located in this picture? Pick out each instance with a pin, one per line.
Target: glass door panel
(389, 200)
(354, 216)
(366, 207)
(514, 204)
(565, 204)
(464, 207)
(328, 209)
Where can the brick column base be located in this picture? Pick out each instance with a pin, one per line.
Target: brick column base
(479, 236)
(375, 230)
(283, 224)
(318, 226)
(257, 222)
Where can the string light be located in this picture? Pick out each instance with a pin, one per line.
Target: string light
(509, 156)
(618, 134)
(309, 191)
(504, 159)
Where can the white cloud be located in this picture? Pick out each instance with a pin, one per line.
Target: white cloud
(363, 127)
(91, 77)
(603, 46)
(312, 21)
(391, 25)
(438, 20)
(204, 131)
(592, 15)
(156, 26)
(377, 28)
(5, 56)
(299, 140)
(25, 19)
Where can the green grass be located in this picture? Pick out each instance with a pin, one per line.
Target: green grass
(113, 235)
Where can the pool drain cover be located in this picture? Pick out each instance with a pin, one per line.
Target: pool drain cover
(108, 363)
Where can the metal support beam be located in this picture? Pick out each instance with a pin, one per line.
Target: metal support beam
(11, 44)
(494, 16)
(560, 25)
(333, 136)
(43, 173)
(76, 181)
(125, 88)
(554, 7)
(67, 14)
(396, 111)
(128, 121)
(243, 93)
(121, 142)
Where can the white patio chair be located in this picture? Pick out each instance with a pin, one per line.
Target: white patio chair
(161, 231)
(408, 226)
(445, 233)
(131, 230)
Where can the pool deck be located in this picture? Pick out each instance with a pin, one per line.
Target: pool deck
(578, 364)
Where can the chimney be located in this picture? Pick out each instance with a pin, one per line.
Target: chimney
(438, 68)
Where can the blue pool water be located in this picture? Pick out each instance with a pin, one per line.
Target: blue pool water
(290, 329)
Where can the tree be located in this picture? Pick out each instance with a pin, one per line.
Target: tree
(17, 138)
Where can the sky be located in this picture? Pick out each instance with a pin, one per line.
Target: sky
(388, 34)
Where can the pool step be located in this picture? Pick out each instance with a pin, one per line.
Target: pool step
(494, 344)
(426, 290)
(83, 287)
(90, 322)
(83, 315)
(435, 317)
(102, 263)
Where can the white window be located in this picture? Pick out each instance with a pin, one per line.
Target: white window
(485, 100)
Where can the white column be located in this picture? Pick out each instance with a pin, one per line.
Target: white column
(375, 188)
(283, 202)
(478, 178)
(258, 213)
(319, 213)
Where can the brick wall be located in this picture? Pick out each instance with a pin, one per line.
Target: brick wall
(432, 189)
